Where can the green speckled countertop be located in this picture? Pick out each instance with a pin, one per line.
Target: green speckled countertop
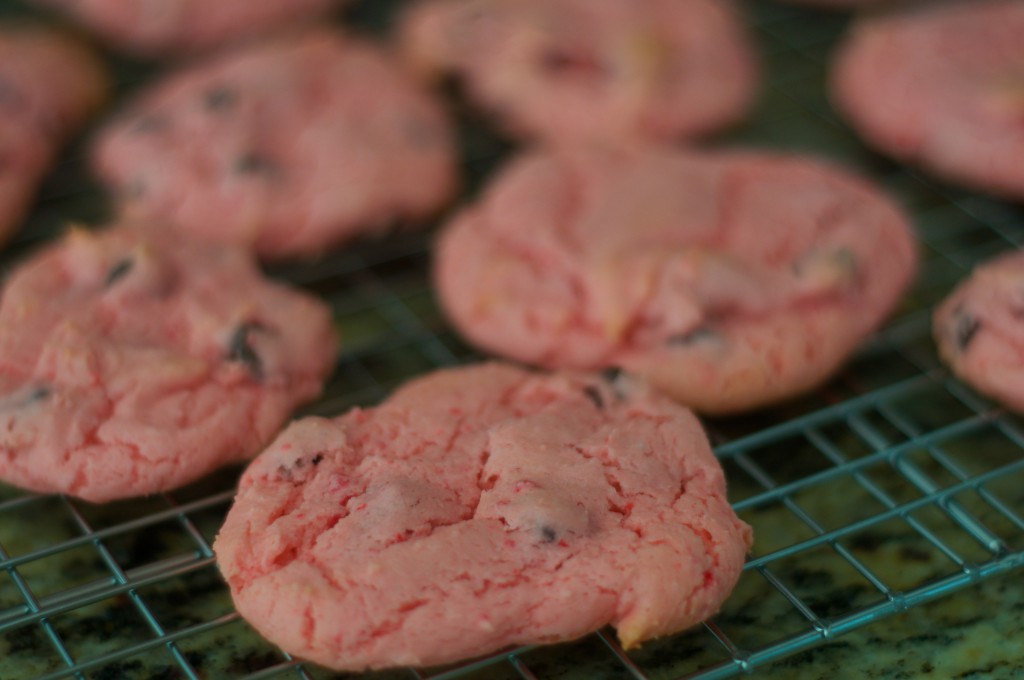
(974, 634)
(877, 502)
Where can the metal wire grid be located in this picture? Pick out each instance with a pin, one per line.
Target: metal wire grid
(892, 486)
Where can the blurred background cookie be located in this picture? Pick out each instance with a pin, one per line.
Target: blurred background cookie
(50, 85)
(941, 85)
(288, 147)
(979, 329)
(152, 28)
(570, 70)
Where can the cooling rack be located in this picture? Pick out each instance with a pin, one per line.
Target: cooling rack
(891, 486)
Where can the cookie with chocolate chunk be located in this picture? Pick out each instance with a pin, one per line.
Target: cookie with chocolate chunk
(481, 507)
(570, 70)
(288, 147)
(979, 329)
(730, 280)
(941, 85)
(151, 28)
(49, 87)
(134, 360)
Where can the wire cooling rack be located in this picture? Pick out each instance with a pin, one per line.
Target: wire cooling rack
(893, 485)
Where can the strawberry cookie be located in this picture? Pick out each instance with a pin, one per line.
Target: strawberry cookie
(49, 86)
(941, 85)
(152, 28)
(477, 508)
(135, 360)
(730, 280)
(979, 329)
(287, 147)
(567, 70)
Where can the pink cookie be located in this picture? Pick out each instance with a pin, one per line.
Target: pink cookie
(135, 360)
(941, 85)
(477, 508)
(730, 280)
(152, 28)
(979, 331)
(49, 86)
(565, 70)
(287, 147)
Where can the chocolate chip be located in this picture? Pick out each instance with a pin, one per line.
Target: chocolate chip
(219, 98)
(548, 533)
(10, 96)
(147, 124)
(558, 60)
(420, 133)
(26, 397)
(135, 190)
(797, 267)
(965, 327)
(37, 394)
(555, 60)
(594, 395)
(700, 334)
(239, 349)
(847, 259)
(317, 459)
(476, 14)
(255, 164)
(118, 271)
(611, 374)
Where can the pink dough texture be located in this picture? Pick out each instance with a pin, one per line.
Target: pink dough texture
(152, 28)
(49, 86)
(730, 280)
(980, 332)
(477, 508)
(941, 85)
(566, 70)
(135, 360)
(287, 147)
